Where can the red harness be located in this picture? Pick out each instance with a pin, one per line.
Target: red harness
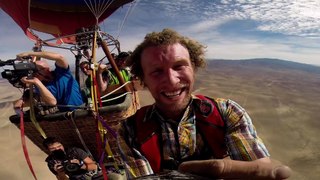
(209, 122)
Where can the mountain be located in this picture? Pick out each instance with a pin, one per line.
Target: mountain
(266, 63)
(261, 71)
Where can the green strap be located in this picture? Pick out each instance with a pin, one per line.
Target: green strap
(33, 117)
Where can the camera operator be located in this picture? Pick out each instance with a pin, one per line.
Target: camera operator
(57, 87)
(72, 163)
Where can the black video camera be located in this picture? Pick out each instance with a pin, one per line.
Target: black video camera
(60, 155)
(21, 68)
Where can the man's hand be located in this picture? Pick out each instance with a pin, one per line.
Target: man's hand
(82, 165)
(29, 81)
(58, 167)
(75, 161)
(232, 169)
(102, 67)
(45, 95)
(61, 175)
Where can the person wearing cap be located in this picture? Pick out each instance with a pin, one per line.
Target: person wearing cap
(111, 79)
(105, 75)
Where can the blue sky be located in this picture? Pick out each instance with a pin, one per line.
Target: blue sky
(231, 29)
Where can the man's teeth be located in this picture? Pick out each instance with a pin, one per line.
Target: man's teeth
(170, 94)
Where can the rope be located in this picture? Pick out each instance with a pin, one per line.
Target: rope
(105, 6)
(98, 141)
(111, 99)
(106, 143)
(95, 106)
(115, 135)
(116, 89)
(96, 9)
(24, 146)
(123, 156)
(93, 75)
(22, 131)
(71, 114)
(73, 106)
(125, 19)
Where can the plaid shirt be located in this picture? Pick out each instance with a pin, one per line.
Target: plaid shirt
(241, 137)
(181, 141)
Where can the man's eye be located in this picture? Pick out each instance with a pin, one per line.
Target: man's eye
(156, 72)
(178, 67)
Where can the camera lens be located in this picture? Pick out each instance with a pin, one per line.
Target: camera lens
(71, 167)
(7, 74)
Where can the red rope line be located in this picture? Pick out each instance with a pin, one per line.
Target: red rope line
(23, 142)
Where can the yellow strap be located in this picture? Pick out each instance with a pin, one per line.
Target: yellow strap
(94, 96)
(32, 115)
(94, 106)
(108, 150)
(93, 75)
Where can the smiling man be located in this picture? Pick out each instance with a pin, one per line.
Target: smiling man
(169, 75)
(187, 132)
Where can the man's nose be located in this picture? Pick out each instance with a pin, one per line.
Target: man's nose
(172, 77)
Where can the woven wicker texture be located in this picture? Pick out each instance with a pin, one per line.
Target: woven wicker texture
(64, 129)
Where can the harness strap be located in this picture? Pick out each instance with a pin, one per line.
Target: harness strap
(78, 133)
(209, 122)
(148, 139)
(22, 130)
(213, 127)
(24, 146)
(33, 117)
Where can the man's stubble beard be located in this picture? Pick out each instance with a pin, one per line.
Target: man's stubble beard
(174, 111)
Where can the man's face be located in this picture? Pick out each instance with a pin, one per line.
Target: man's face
(121, 63)
(43, 72)
(169, 75)
(55, 146)
(85, 69)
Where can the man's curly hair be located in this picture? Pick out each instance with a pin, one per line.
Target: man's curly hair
(164, 38)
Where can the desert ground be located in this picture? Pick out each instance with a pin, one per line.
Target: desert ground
(282, 102)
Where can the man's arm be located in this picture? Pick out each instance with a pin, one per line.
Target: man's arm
(18, 104)
(57, 169)
(45, 95)
(232, 169)
(89, 164)
(58, 58)
(101, 81)
(241, 136)
(62, 176)
(60, 173)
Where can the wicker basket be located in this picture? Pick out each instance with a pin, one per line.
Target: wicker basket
(63, 125)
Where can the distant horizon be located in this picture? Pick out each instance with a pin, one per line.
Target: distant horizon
(289, 61)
